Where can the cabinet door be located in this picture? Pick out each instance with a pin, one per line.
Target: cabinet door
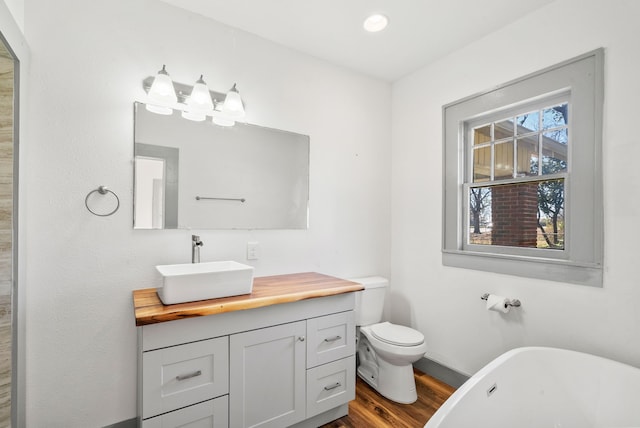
(267, 372)
(330, 338)
(210, 414)
(182, 375)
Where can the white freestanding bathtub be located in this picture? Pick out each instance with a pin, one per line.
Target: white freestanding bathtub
(538, 387)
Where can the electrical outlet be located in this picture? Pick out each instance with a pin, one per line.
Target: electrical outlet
(253, 250)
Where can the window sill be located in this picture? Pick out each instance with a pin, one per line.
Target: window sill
(528, 267)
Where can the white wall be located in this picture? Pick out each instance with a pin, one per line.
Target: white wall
(443, 302)
(88, 61)
(16, 8)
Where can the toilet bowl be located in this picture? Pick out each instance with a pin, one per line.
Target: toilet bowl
(386, 351)
(386, 363)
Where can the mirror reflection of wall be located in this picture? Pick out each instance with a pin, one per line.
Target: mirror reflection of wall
(150, 192)
(156, 186)
(210, 177)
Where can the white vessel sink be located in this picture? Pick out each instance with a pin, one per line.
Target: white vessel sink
(200, 281)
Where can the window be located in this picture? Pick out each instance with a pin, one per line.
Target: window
(518, 164)
(522, 176)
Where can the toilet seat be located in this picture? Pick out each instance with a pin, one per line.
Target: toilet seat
(397, 335)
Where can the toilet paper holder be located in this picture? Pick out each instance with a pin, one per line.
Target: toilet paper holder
(511, 302)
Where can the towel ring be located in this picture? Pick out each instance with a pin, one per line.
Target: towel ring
(103, 190)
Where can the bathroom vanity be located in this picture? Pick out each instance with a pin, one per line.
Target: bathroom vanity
(281, 356)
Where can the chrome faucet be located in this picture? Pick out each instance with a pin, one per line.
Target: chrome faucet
(196, 243)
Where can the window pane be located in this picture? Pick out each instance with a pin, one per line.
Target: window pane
(503, 129)
(518, 215)
(481, 164)
(480, 215)
(528, 156)
(529, 122)
(552, 165)
(503, 165)
(482, 135)
(554, 152)
(555, 116)
(551, 210)
(560, 136)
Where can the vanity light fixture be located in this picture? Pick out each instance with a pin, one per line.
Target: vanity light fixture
(196, 102)
(376, 22)
(162, 95)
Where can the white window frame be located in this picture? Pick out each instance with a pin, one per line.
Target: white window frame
(580, 81)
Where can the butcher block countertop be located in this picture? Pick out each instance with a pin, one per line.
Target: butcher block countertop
(267, 290)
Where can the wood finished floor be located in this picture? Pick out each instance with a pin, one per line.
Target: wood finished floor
(370, 409)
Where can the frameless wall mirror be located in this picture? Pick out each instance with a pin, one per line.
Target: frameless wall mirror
(199, 175)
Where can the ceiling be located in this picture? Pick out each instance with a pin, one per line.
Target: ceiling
(419, 31)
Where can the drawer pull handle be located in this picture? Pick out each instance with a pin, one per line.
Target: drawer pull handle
(189, 376)
(334, 386)
(333, 339)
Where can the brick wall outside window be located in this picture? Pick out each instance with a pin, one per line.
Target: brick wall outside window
(514, 211)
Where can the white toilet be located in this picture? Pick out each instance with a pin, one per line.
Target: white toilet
(386, 351)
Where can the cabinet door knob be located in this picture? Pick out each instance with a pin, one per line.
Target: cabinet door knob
(189, 376)
(301, 338)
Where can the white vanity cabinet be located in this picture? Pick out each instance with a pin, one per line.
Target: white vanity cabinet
(282, 365)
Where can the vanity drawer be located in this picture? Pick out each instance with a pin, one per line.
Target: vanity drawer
(330, 338)
(182, 375)
(210, 414)
(331, 385)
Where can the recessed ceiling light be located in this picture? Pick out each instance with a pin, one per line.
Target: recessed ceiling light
(375, 23)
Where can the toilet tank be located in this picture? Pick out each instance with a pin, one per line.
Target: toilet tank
(370, 301)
